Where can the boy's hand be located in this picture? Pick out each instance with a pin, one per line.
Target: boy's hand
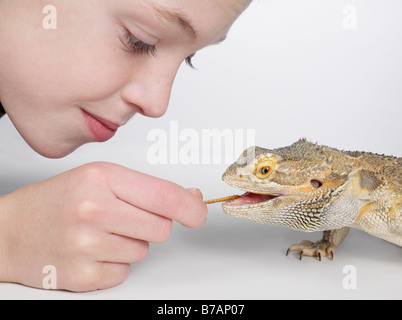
(90, 223)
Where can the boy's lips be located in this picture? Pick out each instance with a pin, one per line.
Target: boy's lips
(101, 129)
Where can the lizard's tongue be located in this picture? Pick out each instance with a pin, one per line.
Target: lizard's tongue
(250, 198)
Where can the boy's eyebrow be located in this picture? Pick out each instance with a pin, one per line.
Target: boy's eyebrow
(177, 18)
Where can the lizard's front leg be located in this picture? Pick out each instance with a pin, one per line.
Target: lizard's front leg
(324, 248)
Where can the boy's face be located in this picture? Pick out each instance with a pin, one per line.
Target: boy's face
(104, 62)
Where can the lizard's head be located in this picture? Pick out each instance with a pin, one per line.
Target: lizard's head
(295, 186)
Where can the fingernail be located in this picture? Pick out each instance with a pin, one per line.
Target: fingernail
(196, 192)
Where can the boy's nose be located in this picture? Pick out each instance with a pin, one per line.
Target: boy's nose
(150, 88)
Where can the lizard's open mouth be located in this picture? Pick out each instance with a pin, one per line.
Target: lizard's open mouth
(251, 198)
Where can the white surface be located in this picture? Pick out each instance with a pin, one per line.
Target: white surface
(288, 69)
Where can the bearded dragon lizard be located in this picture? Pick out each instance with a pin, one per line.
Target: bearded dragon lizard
(309, 187)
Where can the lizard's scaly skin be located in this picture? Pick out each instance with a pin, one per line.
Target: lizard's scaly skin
(318, 188)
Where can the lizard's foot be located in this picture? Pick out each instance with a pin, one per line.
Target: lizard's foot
(324, 248)
(317, 249)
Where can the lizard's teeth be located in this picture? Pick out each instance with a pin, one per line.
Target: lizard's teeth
(251, 198)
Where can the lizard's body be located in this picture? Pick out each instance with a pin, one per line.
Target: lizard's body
(310, 188)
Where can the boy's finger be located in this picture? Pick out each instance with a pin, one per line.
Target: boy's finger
(129, 250)
(196, 192)
(157, 196)
(129, 221)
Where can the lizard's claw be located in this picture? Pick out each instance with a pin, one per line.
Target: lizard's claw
(317, 249)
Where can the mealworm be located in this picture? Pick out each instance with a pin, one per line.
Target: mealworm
(221, 199)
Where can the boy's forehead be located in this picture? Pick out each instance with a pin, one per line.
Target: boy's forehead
(205, 14)
(205, 17)
(236, 6)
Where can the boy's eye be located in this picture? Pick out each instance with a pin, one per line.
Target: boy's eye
(137, 46)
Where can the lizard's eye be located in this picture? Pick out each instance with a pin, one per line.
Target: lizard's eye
(264, 169)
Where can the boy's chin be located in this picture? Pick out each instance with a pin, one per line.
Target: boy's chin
(54, 152)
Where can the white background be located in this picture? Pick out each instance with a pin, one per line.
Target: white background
(288, 69)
